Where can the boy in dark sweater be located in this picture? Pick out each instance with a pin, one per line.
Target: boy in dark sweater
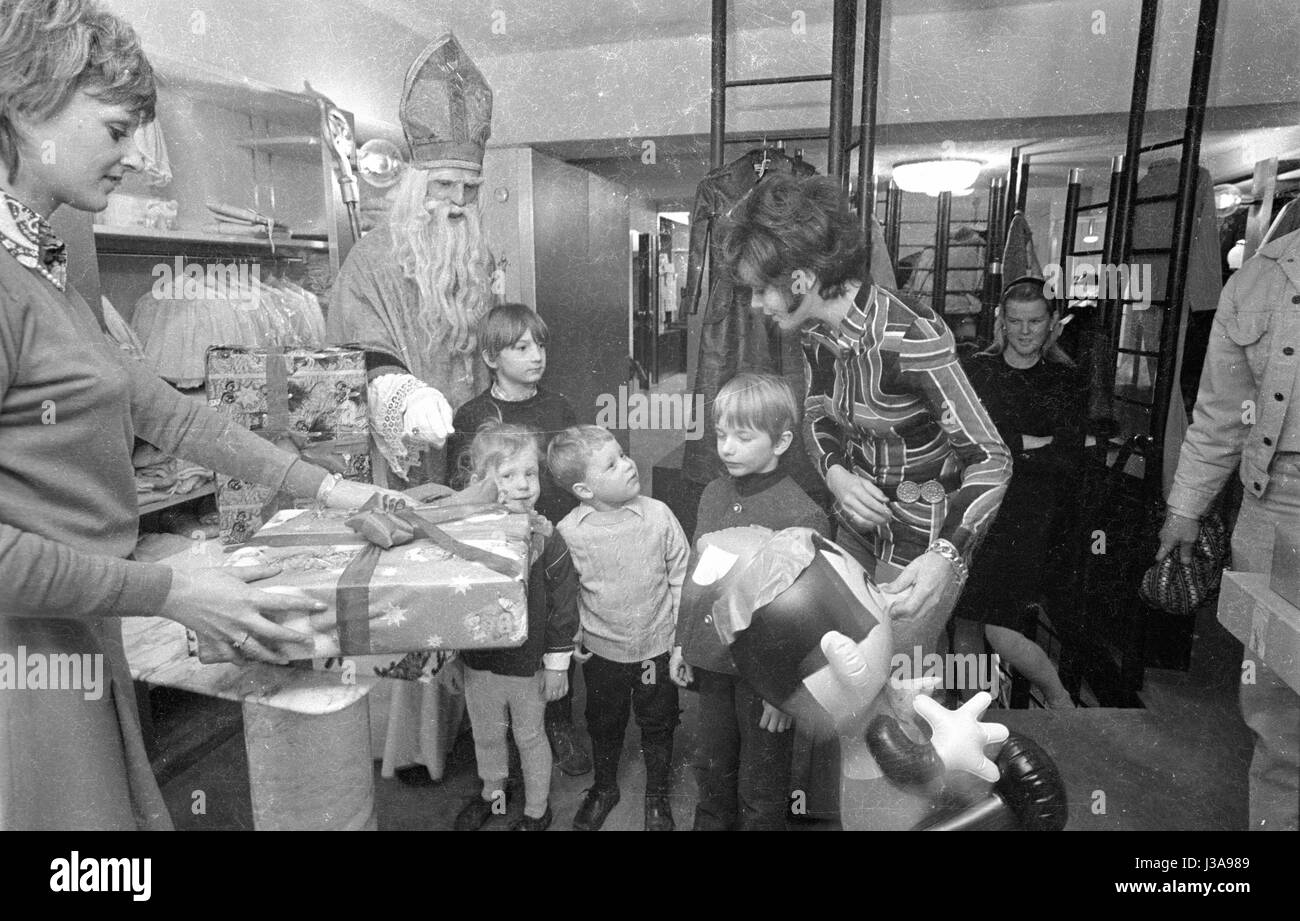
(510, 687)
(513, 339)
(743, 759)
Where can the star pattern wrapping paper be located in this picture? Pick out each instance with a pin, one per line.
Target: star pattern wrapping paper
(420, 596)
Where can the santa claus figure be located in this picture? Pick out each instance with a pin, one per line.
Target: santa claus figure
(411, 293)
(413, 290)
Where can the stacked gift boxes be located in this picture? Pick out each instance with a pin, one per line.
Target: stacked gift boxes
(312, 400)
(459, 584)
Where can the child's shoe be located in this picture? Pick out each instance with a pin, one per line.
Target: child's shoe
(474, 814)
(528, 823)
(658, 813)
(595, 808)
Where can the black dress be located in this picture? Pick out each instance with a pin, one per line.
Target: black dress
(1009, 569)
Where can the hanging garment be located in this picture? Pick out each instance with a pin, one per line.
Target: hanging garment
(732, 337)
(157, 166)
(667, 285)
(1019, 258)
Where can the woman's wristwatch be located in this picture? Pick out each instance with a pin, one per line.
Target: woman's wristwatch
(945, 549)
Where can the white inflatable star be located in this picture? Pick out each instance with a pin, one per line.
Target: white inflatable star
(959, 737)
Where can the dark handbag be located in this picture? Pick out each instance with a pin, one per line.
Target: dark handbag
(1178, 589)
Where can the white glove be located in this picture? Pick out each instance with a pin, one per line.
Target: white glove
(427, 417)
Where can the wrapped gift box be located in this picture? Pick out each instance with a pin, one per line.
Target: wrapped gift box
(1264, 621)
(313, 400)
(1284, 578)
(466, 590)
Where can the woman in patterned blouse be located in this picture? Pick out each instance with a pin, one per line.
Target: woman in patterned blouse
(916, 466)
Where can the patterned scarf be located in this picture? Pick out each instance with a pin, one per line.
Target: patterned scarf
(29, 238)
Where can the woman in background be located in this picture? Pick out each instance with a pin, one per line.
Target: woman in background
(1039, 403)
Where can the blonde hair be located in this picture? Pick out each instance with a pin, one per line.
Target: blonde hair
(571, 451)
(50, 49)
(495, 443)
(1027, 292)
(447, 260)
(763, 402)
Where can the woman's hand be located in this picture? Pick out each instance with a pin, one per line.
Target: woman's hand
(1034, 442)
(216, 603)
(1179, 533)
(858, 499)
(922, 584)
(555, 683)
(773, 720)
(679, 672)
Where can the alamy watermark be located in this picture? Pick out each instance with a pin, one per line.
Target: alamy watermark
(181, 281)
(958, 672)
(641, 411)
(103, 874)
(42, 671)
(1099, 281)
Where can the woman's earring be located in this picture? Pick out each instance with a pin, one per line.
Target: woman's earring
(798, 287)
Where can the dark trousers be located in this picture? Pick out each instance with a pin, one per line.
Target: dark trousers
(743, 771)
(614, 689)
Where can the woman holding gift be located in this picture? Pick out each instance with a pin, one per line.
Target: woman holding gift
(74, 86)
(915, 464)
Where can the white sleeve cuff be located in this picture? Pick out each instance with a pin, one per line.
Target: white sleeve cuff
(386, 399)
(557, 661)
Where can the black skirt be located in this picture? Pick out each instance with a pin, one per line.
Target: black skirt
(1010, 568)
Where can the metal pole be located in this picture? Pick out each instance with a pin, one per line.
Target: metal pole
(718, 90)
(939, 294)
(1022, 185)
(893, 220)
(1123, 218)
(843, 48)
(1109, 317)
(1184, 212)
(992, 260)
(1073, 189)
(867, 124)
(1065, 267)
(1013, 176)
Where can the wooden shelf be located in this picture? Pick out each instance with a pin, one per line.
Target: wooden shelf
(130, 241)
(305, 147)
(150, 506)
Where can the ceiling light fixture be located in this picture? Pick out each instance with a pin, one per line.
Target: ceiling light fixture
(953, 174)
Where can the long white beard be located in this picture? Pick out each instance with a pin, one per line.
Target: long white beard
(447, 258)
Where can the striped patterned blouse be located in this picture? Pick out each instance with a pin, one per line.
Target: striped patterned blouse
(888, 401)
